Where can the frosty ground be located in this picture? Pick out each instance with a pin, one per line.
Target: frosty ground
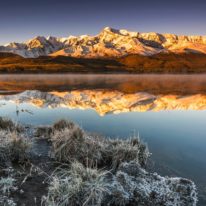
(62, 165)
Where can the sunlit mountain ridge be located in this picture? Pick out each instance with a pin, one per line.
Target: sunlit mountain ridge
(108, 43)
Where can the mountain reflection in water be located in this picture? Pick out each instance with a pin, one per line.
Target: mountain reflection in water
(107, 101)
(107, 93)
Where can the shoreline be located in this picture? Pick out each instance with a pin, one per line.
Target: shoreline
(69, 149)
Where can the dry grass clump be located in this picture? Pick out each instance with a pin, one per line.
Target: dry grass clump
(84, 182)
(7, 124)
(77, 186)
(18, 148)
(73, 144)
(13, 148)
(47, 131)
(80, 185)
(63, 124)
(118, 151)
(67, 144)
(108, 172)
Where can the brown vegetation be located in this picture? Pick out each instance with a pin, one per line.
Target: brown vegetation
(9, 125)
(159, 63)
(11, 63)
(70, 143)
(166, 63)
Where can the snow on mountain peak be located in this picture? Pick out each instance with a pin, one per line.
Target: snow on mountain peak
(109, 42)
(108, 29)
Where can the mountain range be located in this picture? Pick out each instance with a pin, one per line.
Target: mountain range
(108, 43)
(111, 50)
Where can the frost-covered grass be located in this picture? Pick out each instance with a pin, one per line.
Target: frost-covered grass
(91, 171)
(109, 172)
(71, 143)
(130, 185)
(153, 189)
(13, 147)
(118, 151)
(46, 132)
(9, 125)
(62, 124)
(77, 185)
(7, 185)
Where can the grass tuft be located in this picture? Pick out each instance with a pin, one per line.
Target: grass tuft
(77, 186)
(63, 124)
(46, 132)
(13, 148)
(9, 125)
(118, 151)
(73, 144)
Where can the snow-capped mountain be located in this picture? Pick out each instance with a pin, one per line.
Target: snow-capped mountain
(39, 46)
(108, 43)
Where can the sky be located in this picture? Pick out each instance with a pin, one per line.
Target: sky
(21, 20)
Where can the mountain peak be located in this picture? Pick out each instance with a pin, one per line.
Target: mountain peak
(111, 30)
(38, 38)
(38, 41)
(107, 28)
(51, 38)
(110, 42)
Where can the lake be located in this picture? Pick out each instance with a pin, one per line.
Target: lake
(168, 112)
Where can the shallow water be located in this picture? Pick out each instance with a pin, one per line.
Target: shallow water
(167, 111)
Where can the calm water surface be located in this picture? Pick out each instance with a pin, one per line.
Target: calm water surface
(167, 111)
